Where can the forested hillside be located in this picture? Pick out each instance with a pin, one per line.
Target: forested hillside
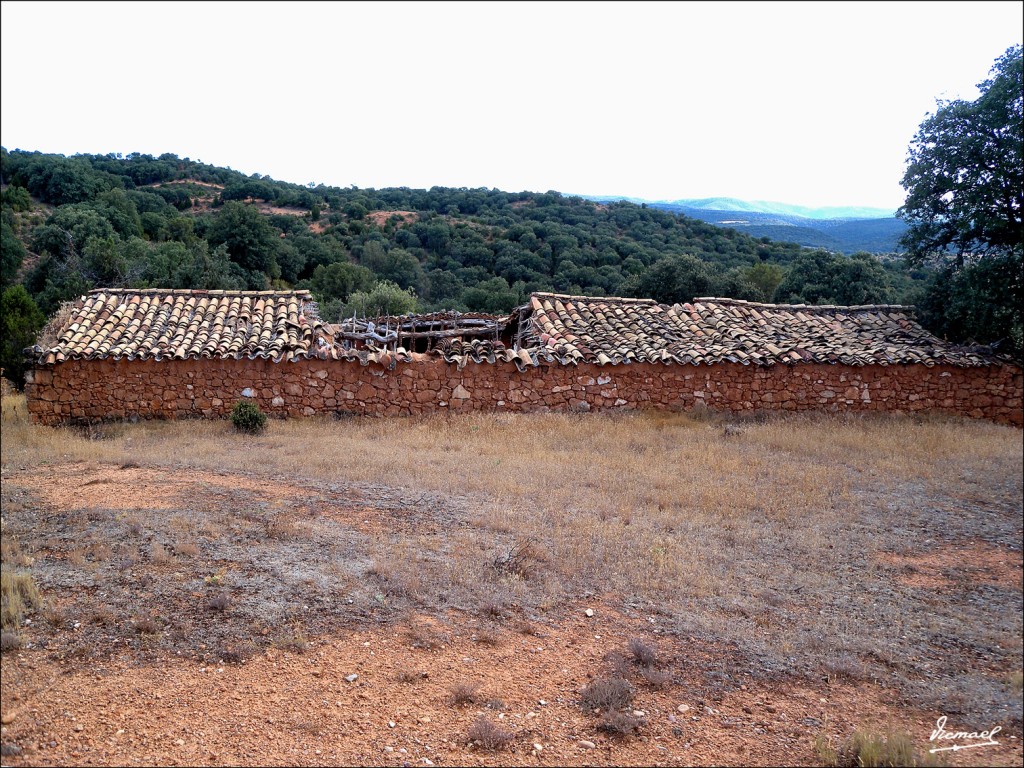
(73, 223)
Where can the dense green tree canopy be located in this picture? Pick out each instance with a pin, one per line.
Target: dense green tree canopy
(251, 241)
(965, 182)
(12, 253)
(819, 277)
(385, 298)
(965, 172)
(20, 321)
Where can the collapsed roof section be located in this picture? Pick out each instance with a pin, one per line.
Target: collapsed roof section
(147, 324)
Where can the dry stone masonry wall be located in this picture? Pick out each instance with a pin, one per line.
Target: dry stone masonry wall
(91, 390)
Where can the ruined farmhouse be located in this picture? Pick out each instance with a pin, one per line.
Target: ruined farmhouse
(126, 354)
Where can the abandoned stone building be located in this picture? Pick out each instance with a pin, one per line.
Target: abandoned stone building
(126, 354)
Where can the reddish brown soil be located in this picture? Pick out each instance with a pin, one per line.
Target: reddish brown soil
(975, 562)
(194, 182)
(270, 208)
(298, 709)
(380, 218)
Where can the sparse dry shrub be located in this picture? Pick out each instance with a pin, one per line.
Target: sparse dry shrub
(426, 637)
(489, 736)
(643, 654)
(146, 626)
(231, 654)
(619, 724)
(77, 652)
(487, 636)
(463, 693)
(10, 549)
(186, 549)
(493, 610)
(219, 602)
(519, 561)
(845, 666)
(620, 665)
(100, 551)
(9, 641)
(655, 677)
(405, 675)
(55, 617)
(50, 334)
(606, 693)
(1015, 681)
(524, 627)
(102, 616)
(158, 553)
(282, 529)
(295, 642)
(77, 557)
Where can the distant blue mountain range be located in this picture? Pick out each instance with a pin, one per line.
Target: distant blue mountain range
(843, 229)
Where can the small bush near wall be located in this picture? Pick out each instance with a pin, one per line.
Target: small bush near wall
(247, 417)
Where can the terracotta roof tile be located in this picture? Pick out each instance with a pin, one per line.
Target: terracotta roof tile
(126, 324)
(606, 331)
(155, 324)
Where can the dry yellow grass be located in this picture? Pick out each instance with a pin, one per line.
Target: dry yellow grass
(618, 466)
(18, 594)
(735, 531)
(651, 501)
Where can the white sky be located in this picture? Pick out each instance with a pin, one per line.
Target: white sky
(804, 103)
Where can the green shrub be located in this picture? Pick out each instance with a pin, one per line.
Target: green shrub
(247, 417)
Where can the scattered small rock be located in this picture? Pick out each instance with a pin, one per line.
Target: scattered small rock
(683, 708)
(79, 727)
(586, 744)
(9, 717)
(180, 742)
(351, 678)
(10, 750)
(589, 612)
(538, 747)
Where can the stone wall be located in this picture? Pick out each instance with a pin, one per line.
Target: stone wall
(78, 391)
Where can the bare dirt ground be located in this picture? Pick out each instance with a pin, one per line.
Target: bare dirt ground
(205, 600)
(380, 218)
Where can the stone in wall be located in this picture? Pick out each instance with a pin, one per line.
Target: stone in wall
(77, 390)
